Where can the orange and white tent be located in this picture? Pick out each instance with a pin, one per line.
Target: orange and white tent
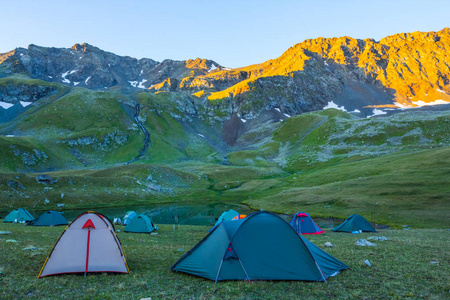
(89, 244)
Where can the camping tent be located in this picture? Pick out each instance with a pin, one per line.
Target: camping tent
(226, 216)
(238, 217)
(128, 217)
(87, 245)
(50, 218)
(355, 223)
(140, 224)
(303, 224)
(260, 247)
(18, 215)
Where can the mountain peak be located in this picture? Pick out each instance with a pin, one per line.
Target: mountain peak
(84, 47)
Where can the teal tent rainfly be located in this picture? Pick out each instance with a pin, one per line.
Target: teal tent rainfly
(140, 224)
(19, 215)
(260, 247)
(355, 223)
(51, 218)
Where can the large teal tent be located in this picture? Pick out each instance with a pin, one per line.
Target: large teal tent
(18, 215)
(260, 247)
(355, 223)
(140, 224)
(51, 218)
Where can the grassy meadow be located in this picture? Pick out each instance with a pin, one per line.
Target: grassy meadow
(411, 264)
(393, 170)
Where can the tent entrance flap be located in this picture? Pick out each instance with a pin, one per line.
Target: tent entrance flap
(87, 250)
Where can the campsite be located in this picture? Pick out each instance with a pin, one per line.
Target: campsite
(411, 263)
(225, 150)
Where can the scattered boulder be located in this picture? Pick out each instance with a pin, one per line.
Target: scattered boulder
(328, 244)
(60, 205)
(363, 242)
(30, 248)
(150, 177)
(45, 179)
(154, 187)
(14, 184)
(378, 238)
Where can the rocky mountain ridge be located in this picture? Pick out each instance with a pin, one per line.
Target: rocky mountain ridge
(403, 70)
(88, 66)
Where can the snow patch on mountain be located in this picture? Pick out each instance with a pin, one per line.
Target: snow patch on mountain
(331, 104)
(63, 75)
(5, 105)
(437, 102)
(141, 84)
(377, 112)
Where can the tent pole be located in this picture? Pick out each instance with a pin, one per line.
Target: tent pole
(248, 278)
(218, 271)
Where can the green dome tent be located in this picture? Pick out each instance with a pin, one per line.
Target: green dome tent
(354, 223)
(51, 218)
(18, 215)
(260, 247)
(140, 224)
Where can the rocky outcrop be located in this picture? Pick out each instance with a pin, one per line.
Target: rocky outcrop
(13, 92)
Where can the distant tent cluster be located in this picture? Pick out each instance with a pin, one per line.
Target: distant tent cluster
(228, 216)
(261, 246)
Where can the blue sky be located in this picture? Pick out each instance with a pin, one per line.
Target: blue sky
(232, 33)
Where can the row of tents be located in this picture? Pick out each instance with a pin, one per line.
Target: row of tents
(301, 221)
(261, 246)
(134, 223)
(304, 224)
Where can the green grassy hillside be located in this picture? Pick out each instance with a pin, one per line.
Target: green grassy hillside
(395, 189)
(393, 170)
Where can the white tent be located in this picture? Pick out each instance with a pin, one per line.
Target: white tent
(87, 245)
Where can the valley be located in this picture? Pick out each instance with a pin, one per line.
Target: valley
(332, 127)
